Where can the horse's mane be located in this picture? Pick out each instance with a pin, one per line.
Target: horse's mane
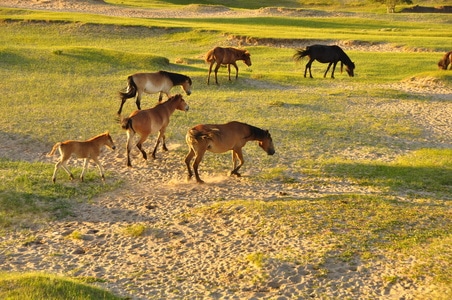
(257, 133)
(98, 136)
(176, 78)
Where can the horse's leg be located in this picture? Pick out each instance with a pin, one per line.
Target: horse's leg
(85, 166)
(57, 166)
(217, 67)
(329, 65)
(237, 154)
(140, 146)
(332, 71)
(161, 97)
(130, 135)
(236, 71)
(198, 157)
(101, 169)
(308, 66)
(210, 71)
(123, 100)
(161, 136)
(138, 100)
(188, 159)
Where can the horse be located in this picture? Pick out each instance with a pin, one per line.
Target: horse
(89, 149)
(158, 82)
(219, 138)
(226, 56)
(326, 54)
(149, 121)
(445, 61)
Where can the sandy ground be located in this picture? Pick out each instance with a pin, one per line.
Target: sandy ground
(204, 256)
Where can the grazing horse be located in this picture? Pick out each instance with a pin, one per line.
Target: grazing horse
(219, 138)
(158, 82)
(152, 120)
(326, 54)
(226, 56)
(445, 61)
(89, 149)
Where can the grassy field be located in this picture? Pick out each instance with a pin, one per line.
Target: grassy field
(61, 73)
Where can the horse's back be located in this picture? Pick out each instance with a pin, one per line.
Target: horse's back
(219, 137)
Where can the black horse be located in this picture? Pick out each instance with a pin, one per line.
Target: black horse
(326, 54)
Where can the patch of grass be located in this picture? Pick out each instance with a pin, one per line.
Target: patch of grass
(31, 286)
(134, 230)
(28, 196)
(425, 171)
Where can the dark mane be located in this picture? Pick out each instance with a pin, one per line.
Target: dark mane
(176, 78)
(343, 56)
(257, 133)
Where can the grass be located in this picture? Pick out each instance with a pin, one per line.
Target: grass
(36, 286)
(60, 76)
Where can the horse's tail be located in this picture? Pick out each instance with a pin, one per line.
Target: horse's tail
(131, 89)
(126, 124)
(210, 57)
(55, 147)
(301, 53)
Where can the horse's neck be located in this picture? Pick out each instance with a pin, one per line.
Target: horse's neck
(345, 59)
(255, 134)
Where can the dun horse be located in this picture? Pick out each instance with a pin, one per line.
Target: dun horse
(445, 61)
(89, 149)
(158, 82)
(226, 56)
(149, 121)
(326, 54)
(219, 138)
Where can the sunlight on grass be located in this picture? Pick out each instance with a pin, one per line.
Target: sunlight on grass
(31, 286)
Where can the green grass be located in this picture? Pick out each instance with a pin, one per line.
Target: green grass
(36, 286)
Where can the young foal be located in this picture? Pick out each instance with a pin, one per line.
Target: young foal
(226, 56)
(445, 61)
(149, 121)
(89, 149)
(158, 82)
(219, 138)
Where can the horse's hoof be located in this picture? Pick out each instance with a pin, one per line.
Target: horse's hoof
(199, 181)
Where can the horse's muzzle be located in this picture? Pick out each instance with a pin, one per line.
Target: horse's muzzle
(188, 93)
(271, 152)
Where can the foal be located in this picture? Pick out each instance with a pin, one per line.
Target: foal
(89, 149)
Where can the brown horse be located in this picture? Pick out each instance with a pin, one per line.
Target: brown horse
(226, 56)
(158, 82)
(445, 61)
(149, 121)
(219, 138)
(89, 149)
(326, 54)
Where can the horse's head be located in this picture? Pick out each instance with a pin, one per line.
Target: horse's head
(186, 85)
(267, 144)
(349, 68)
(246, 57)
(442, 65)
(180, 102)
(109, 141)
